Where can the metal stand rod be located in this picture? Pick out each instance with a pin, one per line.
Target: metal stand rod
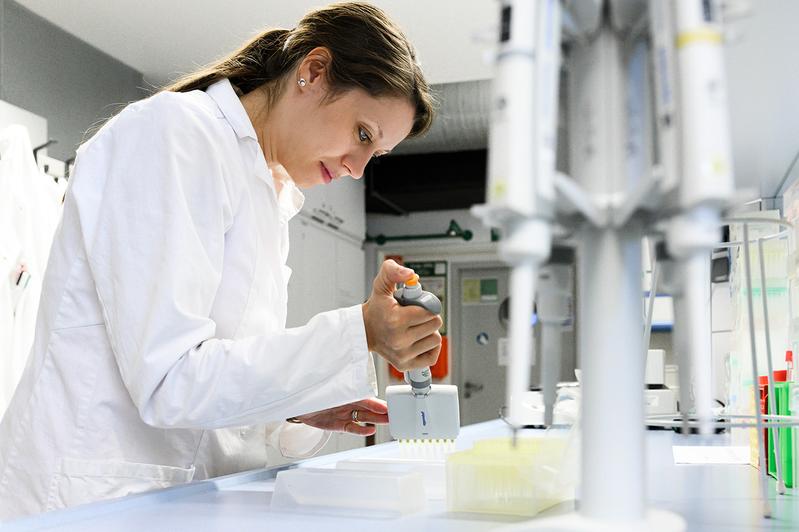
(650, 304)
(613, 486)
(682, 349)
(772, 389)
(753, 350)
(696, 294)
(550, 366)
(522, 287)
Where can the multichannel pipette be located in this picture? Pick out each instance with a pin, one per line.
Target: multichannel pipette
(421, 410)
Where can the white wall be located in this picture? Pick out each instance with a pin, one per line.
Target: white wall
(763, 81)
(54, 74)
(35, 124)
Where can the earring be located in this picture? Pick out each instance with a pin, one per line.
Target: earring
(301, 82)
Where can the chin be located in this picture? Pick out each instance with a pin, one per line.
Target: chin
(306, 186)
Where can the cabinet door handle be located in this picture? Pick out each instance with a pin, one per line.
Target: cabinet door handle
(471, 387)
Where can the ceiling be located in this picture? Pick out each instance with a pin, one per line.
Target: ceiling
(763, 90)
(162, 38)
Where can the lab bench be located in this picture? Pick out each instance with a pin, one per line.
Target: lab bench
(709, 497)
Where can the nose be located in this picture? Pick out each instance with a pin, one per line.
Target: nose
(356, 163)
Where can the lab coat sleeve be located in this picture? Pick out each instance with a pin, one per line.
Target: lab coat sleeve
(155, 246)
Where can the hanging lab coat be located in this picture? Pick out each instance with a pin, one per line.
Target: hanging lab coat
(29, 211)
(161, 353)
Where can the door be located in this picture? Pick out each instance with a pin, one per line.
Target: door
(480, 330)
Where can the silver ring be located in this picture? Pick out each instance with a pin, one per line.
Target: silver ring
(354, 416)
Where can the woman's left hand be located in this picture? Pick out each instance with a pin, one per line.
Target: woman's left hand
(349, 417)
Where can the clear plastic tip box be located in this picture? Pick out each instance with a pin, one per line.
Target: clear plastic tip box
(497, 478)
(349, 492)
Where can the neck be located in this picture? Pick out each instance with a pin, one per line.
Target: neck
(256, 105)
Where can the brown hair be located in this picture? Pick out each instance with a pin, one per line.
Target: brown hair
(368, 51)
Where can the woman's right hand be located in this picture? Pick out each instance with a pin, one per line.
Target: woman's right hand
(407, 337)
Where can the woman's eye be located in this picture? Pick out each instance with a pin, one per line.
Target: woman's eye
(363, 135)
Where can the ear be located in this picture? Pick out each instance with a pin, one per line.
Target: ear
(314, 66)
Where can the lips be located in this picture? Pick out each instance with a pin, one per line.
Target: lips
(327, 177)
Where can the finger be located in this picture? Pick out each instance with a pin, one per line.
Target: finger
(407, 359)
(403, 360)
(414, 315)
(372, 404)
(360, 430)
(365, 416)
(426, 359)
(390, 274)
(423, 330)
(429, 342)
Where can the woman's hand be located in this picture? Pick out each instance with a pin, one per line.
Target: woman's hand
(348, 418)
(407, 337)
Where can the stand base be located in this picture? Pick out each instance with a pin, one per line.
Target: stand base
(654, 521)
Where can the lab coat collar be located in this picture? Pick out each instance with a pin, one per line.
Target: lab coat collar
(225, 96)
(290, 200)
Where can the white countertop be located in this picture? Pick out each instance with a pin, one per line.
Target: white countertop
(709, 497)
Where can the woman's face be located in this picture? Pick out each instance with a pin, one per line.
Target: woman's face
(325, 141)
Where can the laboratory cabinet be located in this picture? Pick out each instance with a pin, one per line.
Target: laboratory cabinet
(327, 271)
(338, 205)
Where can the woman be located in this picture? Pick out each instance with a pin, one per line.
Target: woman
(161, 353)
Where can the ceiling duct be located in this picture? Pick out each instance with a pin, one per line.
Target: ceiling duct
(461, 121)
(445, 169)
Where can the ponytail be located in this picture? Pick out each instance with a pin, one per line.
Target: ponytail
(261, 60)
(369, 52)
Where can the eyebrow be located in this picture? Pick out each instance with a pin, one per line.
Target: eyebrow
(379, 131)
(380, 134)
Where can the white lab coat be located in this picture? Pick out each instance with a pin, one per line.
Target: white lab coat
(162, 321)
(30, 207)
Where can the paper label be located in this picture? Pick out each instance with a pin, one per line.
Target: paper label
(503, 352)
(652, 400)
